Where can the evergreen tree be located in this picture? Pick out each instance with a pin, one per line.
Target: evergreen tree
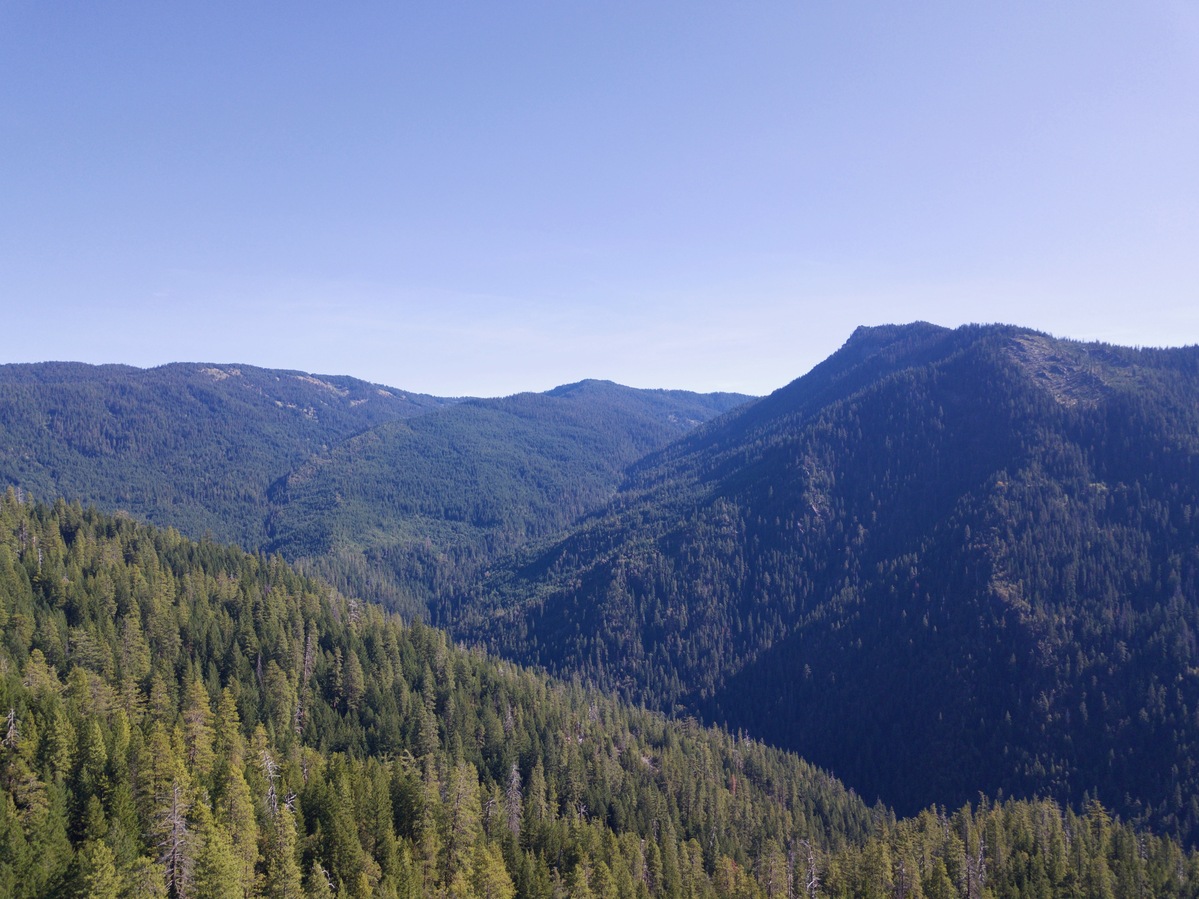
(217, 873)
(282, 879)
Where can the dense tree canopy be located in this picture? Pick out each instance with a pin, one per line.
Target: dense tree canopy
(184, 719)
(943, 563)
(191, 446)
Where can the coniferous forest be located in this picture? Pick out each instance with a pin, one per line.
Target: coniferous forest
(921, 623)
(185, 719)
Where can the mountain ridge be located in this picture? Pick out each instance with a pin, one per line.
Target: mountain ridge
(427, 503)
(920, 502)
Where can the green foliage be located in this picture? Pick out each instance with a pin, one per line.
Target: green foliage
(399, 497)
(453, 775)
(450, 773)
(942, 562)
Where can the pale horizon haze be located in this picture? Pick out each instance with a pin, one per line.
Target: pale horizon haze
(482, 198)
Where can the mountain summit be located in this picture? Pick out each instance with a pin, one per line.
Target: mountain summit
(943, 561)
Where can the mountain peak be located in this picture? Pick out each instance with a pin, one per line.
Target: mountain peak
(880, 335)
(585, 385)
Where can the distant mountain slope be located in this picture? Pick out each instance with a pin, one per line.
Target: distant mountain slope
(412, 510)
(190, 445)
(942, 562)
(329, 470)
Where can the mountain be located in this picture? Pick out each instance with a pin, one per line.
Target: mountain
(194, 446)
(186, 720)
(414, 510)
(943, 562)
(392, 495)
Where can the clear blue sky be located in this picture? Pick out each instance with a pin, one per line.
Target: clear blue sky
(483, 197)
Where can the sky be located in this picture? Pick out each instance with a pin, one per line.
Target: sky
(480, 198)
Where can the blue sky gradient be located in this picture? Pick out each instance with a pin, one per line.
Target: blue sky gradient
(480, 198)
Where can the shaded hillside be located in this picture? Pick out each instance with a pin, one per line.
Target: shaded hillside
(413, 510)
(192, 446)
(942, 562)
(185, 720)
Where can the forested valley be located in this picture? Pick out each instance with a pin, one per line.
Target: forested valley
(184, 719)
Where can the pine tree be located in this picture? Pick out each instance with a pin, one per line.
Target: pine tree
(97, 873)
(513, 801)
(282, 868)
(463, 815)
(145, 879)
(235, 811)
(15, 856)
(353, 682)
(91, 777)
(491, 878)
(176, 852)
(217, 870)
(342, 845)
(198, 730)
(937, 884)
(319, 886)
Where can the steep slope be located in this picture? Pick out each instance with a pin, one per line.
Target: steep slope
(942, 562)
(413, 510)
(193, 446)
(186, 720)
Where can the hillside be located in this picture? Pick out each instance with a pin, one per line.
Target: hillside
(187, 445)
(412, 511)
(942, 562)
(396, 496)
(186, 720)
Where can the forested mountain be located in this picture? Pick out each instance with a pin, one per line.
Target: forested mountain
(941, 562)
(186, 720)
(191, 446)
(412, 510)
(392, 495)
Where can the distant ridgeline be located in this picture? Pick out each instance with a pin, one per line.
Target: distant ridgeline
(394, 496)
(941, 562)
(182, 719)
(191, 446)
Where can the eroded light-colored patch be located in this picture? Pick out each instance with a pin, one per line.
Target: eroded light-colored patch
(309, 379)
(1071, 374)
(220, 374)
